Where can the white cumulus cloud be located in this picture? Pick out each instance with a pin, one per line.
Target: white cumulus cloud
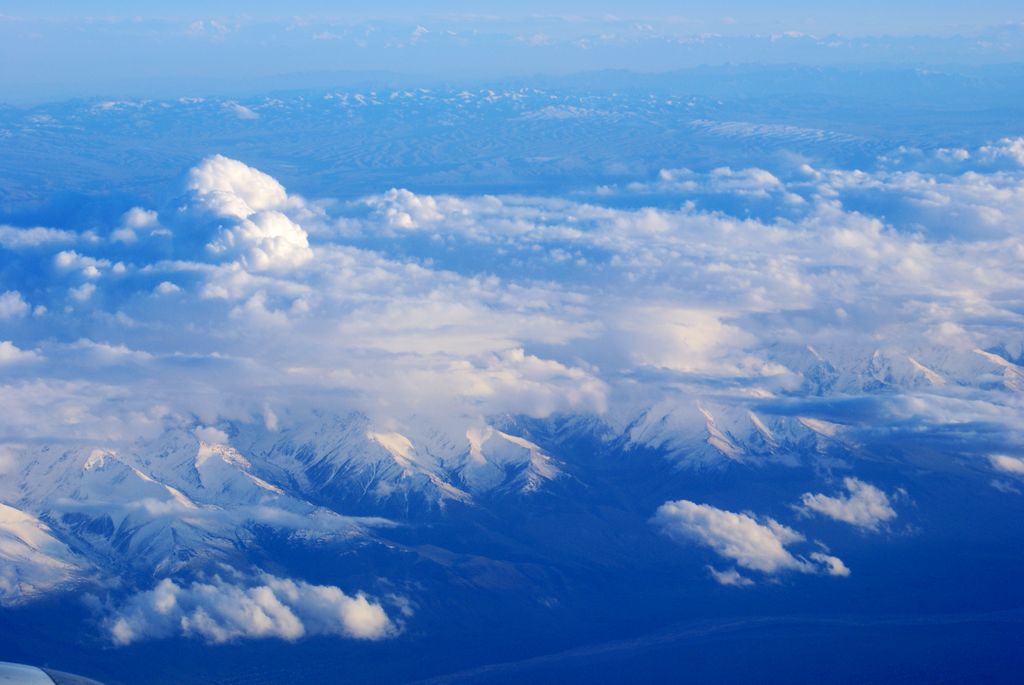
(865, 506)
(12, 305)
(265, 240)
(11, 354)
(1005, 148)
(167, 288)
(1007, 464)
(134, 220)
(264, 235)
(220, 610)
(230, 188)
(757, 545)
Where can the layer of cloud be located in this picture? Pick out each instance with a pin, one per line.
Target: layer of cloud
(222, 610)
(854, 307)
(267, 301)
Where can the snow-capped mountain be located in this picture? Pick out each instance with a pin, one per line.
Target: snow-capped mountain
(32, 560)
(348, 457)
(182, 502)
(196, 495)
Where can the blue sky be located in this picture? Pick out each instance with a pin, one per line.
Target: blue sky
(906, 17)
(65, 49)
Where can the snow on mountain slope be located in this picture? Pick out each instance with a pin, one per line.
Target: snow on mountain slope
(117, 514)
(1012, 374)
(860, 368)
(328, 455)
(411, 460)
(707, 434)
(698, 428)
(198, 495)
(202, 509)
(224, 471)
(498, 460)
(332, 454)
(32, 560)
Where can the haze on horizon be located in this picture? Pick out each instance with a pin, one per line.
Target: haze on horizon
(65, 49)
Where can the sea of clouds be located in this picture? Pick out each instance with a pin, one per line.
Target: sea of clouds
(241, 301)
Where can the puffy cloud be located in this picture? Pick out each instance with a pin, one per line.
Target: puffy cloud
(264, 236)
(745, 182)
(221, 610)
(134, 220)
(406, 210)
(167, 288)
(230, 188)
(1007, 464)
(750, 543)
(970, 205)
(139, 217)
(390, 338)
(11, 354)
(84, 265)
(865, 506)
(12, 305)
(1006, 148)
(265, 240)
